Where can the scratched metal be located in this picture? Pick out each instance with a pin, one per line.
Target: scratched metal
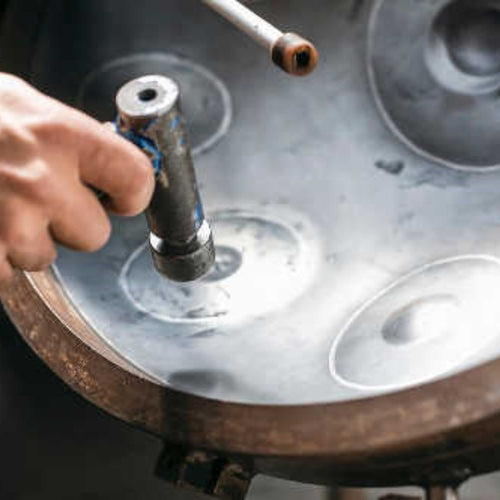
(208, 109)
(321, 215)
(435, 70)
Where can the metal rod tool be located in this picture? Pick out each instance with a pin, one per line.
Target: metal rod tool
(291, 52)
(180, 238)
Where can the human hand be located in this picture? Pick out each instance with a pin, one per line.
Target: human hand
(50, 157)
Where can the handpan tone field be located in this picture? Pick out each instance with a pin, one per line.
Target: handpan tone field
(323, 219)
(349, 332)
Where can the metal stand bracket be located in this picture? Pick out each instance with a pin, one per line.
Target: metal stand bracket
(205, 472)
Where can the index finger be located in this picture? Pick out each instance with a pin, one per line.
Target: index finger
(111, 164)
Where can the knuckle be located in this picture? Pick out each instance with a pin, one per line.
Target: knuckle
(30, 121)
(35, 181)
(17, 142)
(19, 237)
(9, 78)
(10, 81)
(22, 167)
(51, 128)
(14, 90)
(31, 259)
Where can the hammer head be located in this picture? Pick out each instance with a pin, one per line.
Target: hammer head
(180, 238)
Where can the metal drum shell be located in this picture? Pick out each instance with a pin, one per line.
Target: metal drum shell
(442, 431)
(438, 432)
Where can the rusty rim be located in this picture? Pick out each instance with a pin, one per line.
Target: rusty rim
(426, 416)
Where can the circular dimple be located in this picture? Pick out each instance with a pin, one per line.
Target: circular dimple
(205, 100)
(463, 47)
(434, 69)
(473, 40)
(422, 320)
(227, 261)
(262, 264)
(422, 327)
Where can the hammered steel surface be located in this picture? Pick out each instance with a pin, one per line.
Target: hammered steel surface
(317, 211)
(434, 67)
(443, 315)
(207, 104)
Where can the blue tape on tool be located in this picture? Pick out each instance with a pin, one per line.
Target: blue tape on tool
(146, 144)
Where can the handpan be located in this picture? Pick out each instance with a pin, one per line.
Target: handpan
(350, 329)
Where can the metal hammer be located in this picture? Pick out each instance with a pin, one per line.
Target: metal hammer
(149, 115)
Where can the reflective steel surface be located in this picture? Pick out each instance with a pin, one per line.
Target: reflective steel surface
(442, 315)
(331, 231)
(209, 108)
(434, 68)
(261, 266)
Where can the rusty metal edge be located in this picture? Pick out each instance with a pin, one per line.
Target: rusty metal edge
(455, 421)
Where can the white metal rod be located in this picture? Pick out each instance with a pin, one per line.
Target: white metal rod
(292, 53)
(246, 20)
